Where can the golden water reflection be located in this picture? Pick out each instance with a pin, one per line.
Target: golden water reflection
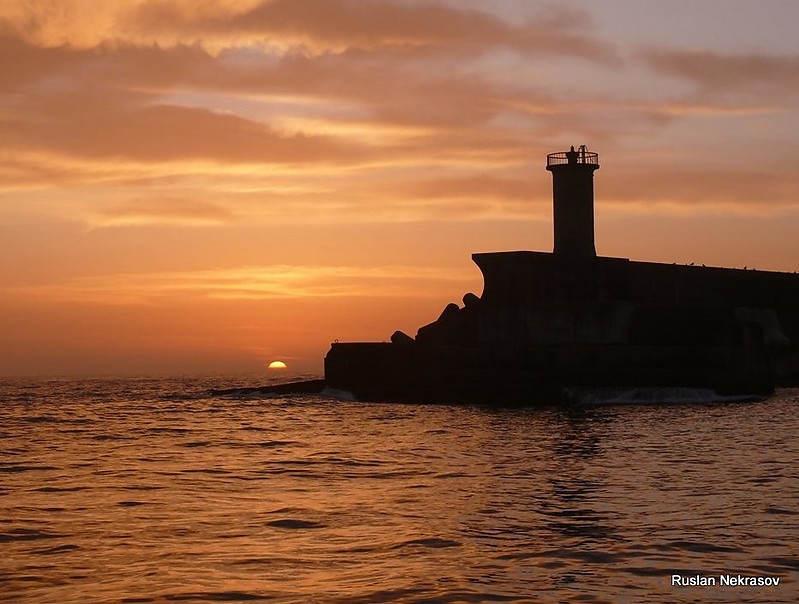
(122, 492)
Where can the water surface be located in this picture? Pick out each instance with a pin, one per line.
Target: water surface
(150, 490)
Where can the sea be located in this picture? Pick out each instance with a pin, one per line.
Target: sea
(142, 490)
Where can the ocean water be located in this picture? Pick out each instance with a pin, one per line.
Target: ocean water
(151, 490)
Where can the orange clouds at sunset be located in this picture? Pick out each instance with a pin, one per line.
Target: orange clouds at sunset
(208, 186)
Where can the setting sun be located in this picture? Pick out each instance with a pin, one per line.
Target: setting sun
(277, 365)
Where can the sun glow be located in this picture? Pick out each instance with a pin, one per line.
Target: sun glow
(277, 365)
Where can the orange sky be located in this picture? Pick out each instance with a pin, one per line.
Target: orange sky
(192, 187)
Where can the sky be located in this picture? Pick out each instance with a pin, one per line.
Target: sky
(204, 187)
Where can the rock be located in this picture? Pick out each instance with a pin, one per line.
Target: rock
(451, 310)
(470, 300)
(401, 338)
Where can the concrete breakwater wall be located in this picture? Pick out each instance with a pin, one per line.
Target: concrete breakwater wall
(543, 321)
(507, 375)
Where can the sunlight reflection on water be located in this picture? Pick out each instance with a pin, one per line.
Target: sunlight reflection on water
(146, 491)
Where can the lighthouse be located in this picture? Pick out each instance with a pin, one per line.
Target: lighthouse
(573, 201)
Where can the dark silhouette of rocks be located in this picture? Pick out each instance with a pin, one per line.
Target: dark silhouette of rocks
(401, 338)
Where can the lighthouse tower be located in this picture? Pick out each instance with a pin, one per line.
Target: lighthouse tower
(573, 201)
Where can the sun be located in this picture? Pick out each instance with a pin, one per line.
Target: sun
(277, 365)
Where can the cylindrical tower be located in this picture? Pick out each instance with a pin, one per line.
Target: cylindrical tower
(573, 201)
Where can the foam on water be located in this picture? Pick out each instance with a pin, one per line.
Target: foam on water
(652, 396)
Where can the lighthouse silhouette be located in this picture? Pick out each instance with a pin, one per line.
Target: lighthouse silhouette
(573, 201)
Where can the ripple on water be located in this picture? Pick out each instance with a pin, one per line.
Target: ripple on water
(703, 548)
(174, 498)
(268, 444)
(776, 510)
(430, 542)
(25, 534)
(57, 549)
(217, 596)
(17, 468)
(295, 523)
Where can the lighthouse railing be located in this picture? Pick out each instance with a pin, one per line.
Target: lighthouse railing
(573, 157)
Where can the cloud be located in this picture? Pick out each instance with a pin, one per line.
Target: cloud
(343, 111)
(700, 189)
(314, 26)
(251, 283)
(750, 75)
(78, 125)
(122, 83)
(126, 104)
(707, 109)
(389, 54)
(180, 211)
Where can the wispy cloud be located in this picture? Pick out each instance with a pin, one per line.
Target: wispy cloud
(311, 26)
(164, 211)
(712, 71)
(251, 283)
(345, 110)
(702, 189)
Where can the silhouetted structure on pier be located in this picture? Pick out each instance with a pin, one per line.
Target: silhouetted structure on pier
(573, 201)
(547, 323)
